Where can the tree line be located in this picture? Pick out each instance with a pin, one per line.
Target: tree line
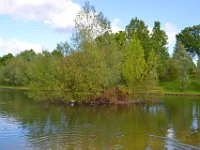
(97, 60)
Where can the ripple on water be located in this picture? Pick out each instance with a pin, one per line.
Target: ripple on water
(12, 136)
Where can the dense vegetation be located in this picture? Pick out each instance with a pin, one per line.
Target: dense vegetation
(96, 61)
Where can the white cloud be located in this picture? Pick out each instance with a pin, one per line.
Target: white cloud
(60, 14)
(115, 26)
(15, 46)
(171, 31)
(150, 30)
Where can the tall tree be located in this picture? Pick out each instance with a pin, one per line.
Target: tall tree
(89, 24)
(134, 65)
(109, 48)
(140, 74)
(138, 29)
(184, 61)
(190, 38)
(159, 41)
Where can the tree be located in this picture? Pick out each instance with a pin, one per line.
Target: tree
(183, 61)
(159, 41)
(134, 65)
(89, 24)
(86, 75)
(109, 48)
(169, 72)
(190, 38)
(14, 72)
(140, 74)
(5, 59)
(138, 29)
(27, 55)
(62, 49)
(120, 38)
(44, 73)
(198, 67)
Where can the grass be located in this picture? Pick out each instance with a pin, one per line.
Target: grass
(167, 87)
(174, 86)
(8, 87)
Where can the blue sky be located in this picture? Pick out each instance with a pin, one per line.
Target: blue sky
(41, 24)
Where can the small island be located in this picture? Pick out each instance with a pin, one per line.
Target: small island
(72, 78)
(98, 66)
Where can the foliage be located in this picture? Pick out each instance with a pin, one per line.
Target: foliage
(159, 41)
(108, 46)
(89, 24)
(13, 73)
(190, 38)
(198, 68)
(158, 44)
(43, 73)
(137, 28)
(100, 64)
(5, 59)
(86, 75)
(138, 73)
(15, 70)
(183, 61)
(174, 86)
(169, 71)
(62, 49)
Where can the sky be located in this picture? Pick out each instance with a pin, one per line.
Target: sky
(41, 24)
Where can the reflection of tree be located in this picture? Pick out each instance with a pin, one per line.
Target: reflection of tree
(194, 125)
(128, 127)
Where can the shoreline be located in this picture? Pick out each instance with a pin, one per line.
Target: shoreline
(11, 88)
(106, 102)
(172, 94)
(195, 94)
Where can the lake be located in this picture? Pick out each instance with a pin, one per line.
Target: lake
(26, 125)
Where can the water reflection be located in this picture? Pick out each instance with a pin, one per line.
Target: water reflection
(36, 126)
(194, 125)
(170, 136)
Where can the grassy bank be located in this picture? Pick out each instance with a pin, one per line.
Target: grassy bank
(5, 87)
(174, 86)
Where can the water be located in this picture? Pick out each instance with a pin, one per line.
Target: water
(26, 125)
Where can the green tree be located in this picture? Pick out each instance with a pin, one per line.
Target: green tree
(27, 55)
(198, 67)
(86, 75)
(120, 38)
(190, 38)
(140, 74)
(138, 29)
(14, 70)
(43, 73)
(62, 49)
(134, 65)
(184, 61)
(109, 48)
(5, 59)
(159, 41)
(13, 73)
(170, 71)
